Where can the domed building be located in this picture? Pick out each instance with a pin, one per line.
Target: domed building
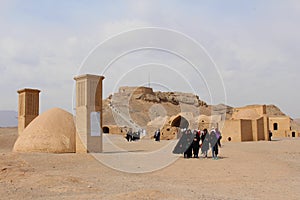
(53, 131)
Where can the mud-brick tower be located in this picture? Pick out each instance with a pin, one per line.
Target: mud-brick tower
(88, 113)
(28, 107)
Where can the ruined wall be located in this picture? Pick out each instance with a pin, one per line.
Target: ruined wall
(175, 98)
(135, 90)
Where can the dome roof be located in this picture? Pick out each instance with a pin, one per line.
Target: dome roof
(53, 131)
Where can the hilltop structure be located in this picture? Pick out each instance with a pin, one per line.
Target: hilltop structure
(142, 108)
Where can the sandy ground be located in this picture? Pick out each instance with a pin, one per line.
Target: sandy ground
(250, 170)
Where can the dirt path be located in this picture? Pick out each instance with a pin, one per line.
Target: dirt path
(254, 170)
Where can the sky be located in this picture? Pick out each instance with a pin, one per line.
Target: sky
(247, 52)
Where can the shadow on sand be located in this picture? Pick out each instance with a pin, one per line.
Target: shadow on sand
(113, 152)
(207, 158)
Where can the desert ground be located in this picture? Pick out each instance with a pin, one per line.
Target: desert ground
(249, 170)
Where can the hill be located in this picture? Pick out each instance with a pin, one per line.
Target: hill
(274, 111)
(140, 107)
(295, 124)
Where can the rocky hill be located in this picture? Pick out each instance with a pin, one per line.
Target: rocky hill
(274, 111)
(137, 108)
(295, 124)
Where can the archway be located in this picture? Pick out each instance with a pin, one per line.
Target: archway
(293, 134)
(180, 122)
(105, 129)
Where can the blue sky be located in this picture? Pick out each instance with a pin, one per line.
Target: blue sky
(255, 45)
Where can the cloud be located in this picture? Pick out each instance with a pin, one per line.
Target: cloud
(255, 44)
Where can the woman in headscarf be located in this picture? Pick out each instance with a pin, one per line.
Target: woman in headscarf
(184, 145)
(179, 148)
(204, 142)
(195, 144)
(215, 142)
(189, 148)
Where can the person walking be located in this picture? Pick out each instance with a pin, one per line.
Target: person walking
(157, 135)
(270, 135)
(129, 136)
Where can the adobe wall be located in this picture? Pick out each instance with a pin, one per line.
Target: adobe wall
(88, 107)
(255, 131)
(208, 122)
(114, 129)
(283, 126)
(246, 130)
(296, 132)
(258, 124)
(28, 107)
(260, 131)
(231, 129)
(266, 127)
(249, 112)
(169, 132)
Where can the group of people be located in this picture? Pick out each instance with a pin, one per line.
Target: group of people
(132, 136)
(191, 142)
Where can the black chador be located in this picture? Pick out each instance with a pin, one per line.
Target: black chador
(184, 144)
(195, 144)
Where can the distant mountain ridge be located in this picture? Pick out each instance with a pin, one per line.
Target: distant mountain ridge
(8, 118)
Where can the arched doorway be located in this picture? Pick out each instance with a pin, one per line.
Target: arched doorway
(105, 129)
(180, 122)
(293, 134)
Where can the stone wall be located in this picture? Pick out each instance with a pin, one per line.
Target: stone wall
(231, 131)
